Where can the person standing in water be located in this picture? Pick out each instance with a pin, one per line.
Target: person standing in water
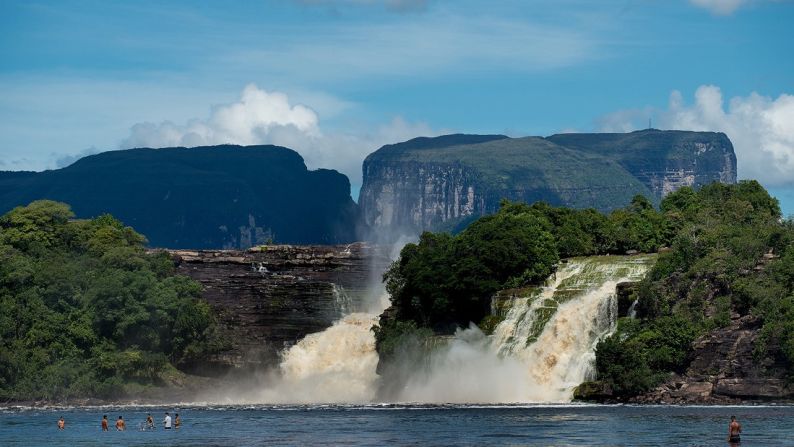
(120, 424)
(167, 421)
(177, 421)
(149, 422)
(105, 422)
(734, 430)
(61, 423)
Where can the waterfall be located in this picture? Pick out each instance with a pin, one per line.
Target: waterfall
(542, 349)
(632, 312)
(343, 302)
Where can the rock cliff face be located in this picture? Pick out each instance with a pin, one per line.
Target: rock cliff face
(268, 298)
(723, 370)
(663, 160)
(444, 182)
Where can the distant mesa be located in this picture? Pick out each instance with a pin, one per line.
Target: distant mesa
(203, 197)
(445, 182)
(238, 197)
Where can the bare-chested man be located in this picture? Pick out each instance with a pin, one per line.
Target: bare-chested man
(734, 430)
(120, 425)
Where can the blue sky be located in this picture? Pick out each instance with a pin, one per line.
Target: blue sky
(335, 79)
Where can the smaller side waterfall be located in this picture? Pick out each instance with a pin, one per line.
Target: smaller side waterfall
(632, 312)
(342, 300)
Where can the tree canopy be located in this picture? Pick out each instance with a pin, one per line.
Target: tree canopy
(86, 311)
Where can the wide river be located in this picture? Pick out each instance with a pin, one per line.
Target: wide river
(569, 425)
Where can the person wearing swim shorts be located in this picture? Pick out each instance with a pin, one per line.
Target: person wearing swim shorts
(734, 431)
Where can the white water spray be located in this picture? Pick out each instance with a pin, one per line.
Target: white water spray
(337, 365)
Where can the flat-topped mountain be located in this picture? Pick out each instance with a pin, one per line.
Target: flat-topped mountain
(664, 160)
(203, 197)
(443, 182)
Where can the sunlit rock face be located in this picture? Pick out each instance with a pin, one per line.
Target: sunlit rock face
(445, 182)
(664, 160)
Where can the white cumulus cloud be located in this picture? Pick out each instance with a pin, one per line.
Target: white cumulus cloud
(262, 117)
(760, 127)
(254, 118)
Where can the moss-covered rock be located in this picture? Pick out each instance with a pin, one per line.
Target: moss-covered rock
(592, 392)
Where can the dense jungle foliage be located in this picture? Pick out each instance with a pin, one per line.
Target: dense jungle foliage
(732, 255)
(727, 253)
(85, 311)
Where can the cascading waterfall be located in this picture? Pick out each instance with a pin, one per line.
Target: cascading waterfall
(542, 349)
(336, 365)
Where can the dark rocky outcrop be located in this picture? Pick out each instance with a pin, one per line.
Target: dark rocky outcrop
(627, 295)
(444, 182)
(267, 298)
(203, 197)
(724, 370)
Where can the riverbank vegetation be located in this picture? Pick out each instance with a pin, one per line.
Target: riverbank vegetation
(732, 256)
(86, 311)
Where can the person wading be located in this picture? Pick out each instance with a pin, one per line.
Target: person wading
(105, 423)
(167, 422)
(61, 424)
(120, 425)
(734, 430)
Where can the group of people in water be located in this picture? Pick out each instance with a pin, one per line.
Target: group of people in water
(121, 425)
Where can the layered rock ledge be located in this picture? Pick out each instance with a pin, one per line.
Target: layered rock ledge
(269, 297)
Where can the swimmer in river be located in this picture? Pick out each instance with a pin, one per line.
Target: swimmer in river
(105, 422)
(734, 430)
(149, 422)
(61, 423)
(120, 424)
(177, 421)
